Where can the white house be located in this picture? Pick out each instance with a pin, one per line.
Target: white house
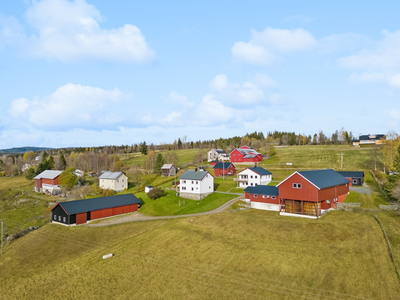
(79, 173)
(116, 181)
(196, 185)
(253, 176)
(217, 154)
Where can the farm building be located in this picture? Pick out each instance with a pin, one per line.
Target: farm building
(253, 176)
(168, 170)
(370, 139)
(217, 154)
(116, 181)
(196, 185)
(47, 182)
(356, 178)
(263, 197)
(245, 154)
(312, 193)
(81, 211)
(224, 168)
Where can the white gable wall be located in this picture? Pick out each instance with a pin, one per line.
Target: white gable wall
(253, 178)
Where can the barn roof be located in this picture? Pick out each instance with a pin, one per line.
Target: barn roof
(371, 136)
(323, 179)
(220, 151)
(81, 206)
(110, 175)
(222, 165)
(263, 190)
(48, 174)
(350, 174)
(193, 175)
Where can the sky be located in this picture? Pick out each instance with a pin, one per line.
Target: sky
(93, 73)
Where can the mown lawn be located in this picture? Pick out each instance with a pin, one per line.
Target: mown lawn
(322, 157)
(242, 255)
(169, 204)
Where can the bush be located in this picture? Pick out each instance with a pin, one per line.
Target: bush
(155, 193)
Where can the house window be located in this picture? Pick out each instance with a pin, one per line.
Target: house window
(55, 217)
(192, 189)
(264, 196)
(122, 180)
(117, 180)
(251, 176)
(209, 187)
(267, 196)
(184, 188)
(59, 218)
(192, 181)
(297, 185)
(197, 182)
(255, 176)
(64, 219)
(273, 197)
(255, 195)
(184, 181)
(251, 184)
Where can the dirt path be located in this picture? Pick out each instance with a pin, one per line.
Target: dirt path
(139, 217)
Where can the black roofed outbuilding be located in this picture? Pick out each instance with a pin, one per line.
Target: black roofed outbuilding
(81, 211)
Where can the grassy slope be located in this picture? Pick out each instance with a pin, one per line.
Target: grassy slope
(319, 157)
(245, 255)
(169, 205)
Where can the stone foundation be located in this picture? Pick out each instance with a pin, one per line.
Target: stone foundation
(193, 196)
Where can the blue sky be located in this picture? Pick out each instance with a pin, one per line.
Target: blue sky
(88, 73)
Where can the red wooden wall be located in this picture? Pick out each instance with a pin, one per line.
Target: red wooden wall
(307, 192)
(108, 212)
(220, 172)
(81, 218)
(259, 198)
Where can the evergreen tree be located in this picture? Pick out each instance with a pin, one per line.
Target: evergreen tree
(158, 164)
(396, 162)
(44, 157)
(30, 174)
(179, 143)
(50, 163)
(63, 162)
(143, 148)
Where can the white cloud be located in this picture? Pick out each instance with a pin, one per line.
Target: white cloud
(343, 42)
(264, 47)
(212, 112)
(298, 18)
(174, 97)
(70, 31)
(71, 106)
(250, 92)
(393, 80)
(385, 56)
(11, 31)
(395, 114)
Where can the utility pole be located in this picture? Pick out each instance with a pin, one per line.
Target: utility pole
(2, 234)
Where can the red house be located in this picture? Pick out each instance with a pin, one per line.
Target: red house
(263, 197)
(47, 181)
(245, 154)
(223, 168)
(312, 193)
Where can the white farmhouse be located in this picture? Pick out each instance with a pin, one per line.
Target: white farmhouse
(196, 185)
(217, 154)
(253, 176)
(116, 181)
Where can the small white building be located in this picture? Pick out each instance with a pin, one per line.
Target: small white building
(253, 176)
(196, 185)
(148, 188)
(116, 181)
(217, 154)
(79, 173)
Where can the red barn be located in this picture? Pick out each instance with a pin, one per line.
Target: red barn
(263, 197)
(223, 168)
(312, 193)
(245, 154)
(47, 181)
(81, 211)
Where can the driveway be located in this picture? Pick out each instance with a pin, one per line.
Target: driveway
(139, 217)
(361, 190)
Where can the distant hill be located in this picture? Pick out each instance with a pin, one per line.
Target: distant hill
(23, 149)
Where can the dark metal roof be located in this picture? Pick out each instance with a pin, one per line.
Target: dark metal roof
(221, 165)
(81, 206)
(193, 175)
(263, 190)
(260, 171)
(350, 174)
(220, 151)
(371, 137)
(324, 178)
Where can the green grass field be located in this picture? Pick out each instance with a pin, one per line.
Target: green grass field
(243, 255)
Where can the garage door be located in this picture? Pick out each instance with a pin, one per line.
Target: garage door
(81, 218)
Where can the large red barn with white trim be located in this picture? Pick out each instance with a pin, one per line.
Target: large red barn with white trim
(245, 154)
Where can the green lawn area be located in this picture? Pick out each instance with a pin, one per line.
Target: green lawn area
(169, 205)
(241, 255)
(322, 157)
